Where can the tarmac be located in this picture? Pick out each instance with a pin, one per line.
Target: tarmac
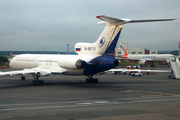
(115, 97)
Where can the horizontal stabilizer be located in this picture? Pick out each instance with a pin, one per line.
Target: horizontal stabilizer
(112, 20)
(154, 20)
(117, 21)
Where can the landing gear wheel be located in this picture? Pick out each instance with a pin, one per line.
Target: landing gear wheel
(37, 81)
(152, 65)
(22, 77)
(91, 80)
(33, 82)
(95, 80)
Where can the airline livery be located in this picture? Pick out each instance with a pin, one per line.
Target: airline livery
(144, 59)
(92, 58)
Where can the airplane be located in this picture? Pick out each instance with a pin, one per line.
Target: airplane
(92, 58)
(144, 59)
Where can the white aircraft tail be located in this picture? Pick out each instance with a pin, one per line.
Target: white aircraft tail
(106, 42)
(108, 39)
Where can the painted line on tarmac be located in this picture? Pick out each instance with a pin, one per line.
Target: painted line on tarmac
(161, 93)
(151, 95)
(89, 103)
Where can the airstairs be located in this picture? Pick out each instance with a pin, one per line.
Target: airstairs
(175, 67)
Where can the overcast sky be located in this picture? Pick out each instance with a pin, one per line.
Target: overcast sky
(52, 24)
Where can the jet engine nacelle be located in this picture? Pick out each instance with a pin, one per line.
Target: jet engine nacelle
(142, 62)
(72, 63)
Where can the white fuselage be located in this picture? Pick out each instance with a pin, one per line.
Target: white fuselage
(151, 57)
(55, 62)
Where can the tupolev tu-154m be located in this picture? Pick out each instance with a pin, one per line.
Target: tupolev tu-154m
(92, 58)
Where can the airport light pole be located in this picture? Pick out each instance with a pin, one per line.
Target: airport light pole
(67, 48)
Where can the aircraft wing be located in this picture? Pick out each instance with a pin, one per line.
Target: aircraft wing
(149, 60)
(20, 72)
(136, 70)
(39, 70)
(140, 60)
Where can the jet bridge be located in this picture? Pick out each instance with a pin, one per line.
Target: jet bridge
(175, 67)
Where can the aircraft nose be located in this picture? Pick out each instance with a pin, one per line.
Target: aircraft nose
(11, 63)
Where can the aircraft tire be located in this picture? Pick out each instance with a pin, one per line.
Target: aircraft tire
(39, 82)
(87, 80)
(152, 65)
(95, 80)
(91, 80)
(33, 82)
(22, 78)
(115, 73)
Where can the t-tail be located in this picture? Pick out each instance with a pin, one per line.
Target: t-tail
(106, 42)
(108, 39)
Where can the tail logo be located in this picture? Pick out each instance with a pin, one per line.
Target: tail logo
(122, 47)
(102, 41)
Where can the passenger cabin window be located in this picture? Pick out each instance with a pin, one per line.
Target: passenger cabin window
(133, 52)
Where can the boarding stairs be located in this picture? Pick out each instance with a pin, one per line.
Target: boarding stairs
(175, 67)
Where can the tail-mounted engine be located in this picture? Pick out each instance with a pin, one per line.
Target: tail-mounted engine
(72, 63)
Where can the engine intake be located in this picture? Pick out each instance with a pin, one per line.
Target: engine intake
(72, 63)
(80, 64)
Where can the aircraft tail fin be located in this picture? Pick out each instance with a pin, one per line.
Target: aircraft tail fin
(124, 50)
(11, 54)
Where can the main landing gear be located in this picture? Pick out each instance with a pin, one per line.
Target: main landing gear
(23, 77)
(91, 80)
(37, 81)
(152, 65)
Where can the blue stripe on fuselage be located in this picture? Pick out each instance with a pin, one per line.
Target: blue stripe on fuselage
(112, 46)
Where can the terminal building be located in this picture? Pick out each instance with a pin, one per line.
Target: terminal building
(134, 51)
